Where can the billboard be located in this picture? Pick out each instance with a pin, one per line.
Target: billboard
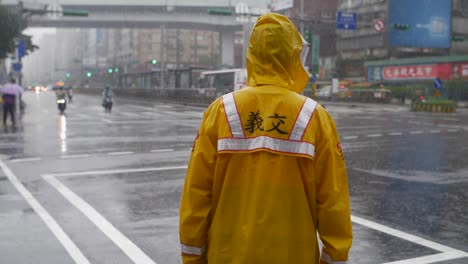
(426, 24)
(445, 71)
(278, 5)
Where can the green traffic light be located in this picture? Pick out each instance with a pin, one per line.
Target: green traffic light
(154, 61)
(89, 74)
(67, 75)
(116, 70)
(110, 70)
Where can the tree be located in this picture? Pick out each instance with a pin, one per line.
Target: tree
(10, 31)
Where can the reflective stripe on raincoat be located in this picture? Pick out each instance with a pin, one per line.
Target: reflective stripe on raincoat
(267, 171)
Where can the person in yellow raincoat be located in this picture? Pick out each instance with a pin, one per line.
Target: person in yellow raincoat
(267, 171)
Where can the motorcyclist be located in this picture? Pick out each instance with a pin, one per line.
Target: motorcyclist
(60, 93)
(107, 94)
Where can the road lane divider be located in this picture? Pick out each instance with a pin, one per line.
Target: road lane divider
(161, 150)
(119, 239)
(120, 153)
(25, 160)
(447, 253)
(78, 156)
(127, 246)
(49, 221)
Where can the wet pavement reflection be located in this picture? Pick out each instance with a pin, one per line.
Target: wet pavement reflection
(407, 171)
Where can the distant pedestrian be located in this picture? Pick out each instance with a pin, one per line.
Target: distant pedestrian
(267, 172)
(10, 92)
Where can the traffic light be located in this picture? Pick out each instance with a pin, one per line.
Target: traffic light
(308, 34)
(154, 61)
(220, 11)
(116, 70)
(89, 74)
(67, 75)
(458, 38)
(402, 27)
(110, 70)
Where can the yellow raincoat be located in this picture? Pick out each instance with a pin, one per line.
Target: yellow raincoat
(267, 171)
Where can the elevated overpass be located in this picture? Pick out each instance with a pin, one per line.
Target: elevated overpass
(184, 14)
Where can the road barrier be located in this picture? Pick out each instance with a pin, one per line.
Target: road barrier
(436, 107)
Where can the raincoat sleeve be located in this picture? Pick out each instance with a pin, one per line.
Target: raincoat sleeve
(333, 209)
(195, 206)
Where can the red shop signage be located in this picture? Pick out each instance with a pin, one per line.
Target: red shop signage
(426, 71)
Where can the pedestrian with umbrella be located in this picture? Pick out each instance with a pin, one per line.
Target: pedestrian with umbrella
(9, 93)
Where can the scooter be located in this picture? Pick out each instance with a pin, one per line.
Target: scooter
(107, 103)
(62, 105)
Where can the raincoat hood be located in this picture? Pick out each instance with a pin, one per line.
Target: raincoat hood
(273, 56)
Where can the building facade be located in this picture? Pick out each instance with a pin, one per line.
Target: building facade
(378, 38)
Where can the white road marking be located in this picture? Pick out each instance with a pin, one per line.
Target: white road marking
(415, 132)
(414, 122)
(25, 160)
(120, 153)
(434, 131)
(107, 121)
(151, 114)
(448, 253)
(161, 150)
(395, 134)
(104, 172)
(374, 135)
(452, 130)
(135, 253)
(350, 137)
(127, 246)
(431, 258)
(50, 222)
(78, 156)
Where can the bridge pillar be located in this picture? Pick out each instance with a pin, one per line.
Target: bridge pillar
(227, 47)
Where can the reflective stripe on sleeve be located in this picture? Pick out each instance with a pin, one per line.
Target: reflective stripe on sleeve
(192, 250)
(263, 142)
(303, 119)
(326, 258)
(233, 116)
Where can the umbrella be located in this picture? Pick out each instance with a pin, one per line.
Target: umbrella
(12, 89)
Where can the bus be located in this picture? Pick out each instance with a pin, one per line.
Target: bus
(224, 81)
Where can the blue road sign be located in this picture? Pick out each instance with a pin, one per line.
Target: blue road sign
(346, 20)
(21, 48)
(438, 84)
(314, 77)
(17, 67)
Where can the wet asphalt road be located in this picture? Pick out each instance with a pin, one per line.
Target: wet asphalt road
(97, 187)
